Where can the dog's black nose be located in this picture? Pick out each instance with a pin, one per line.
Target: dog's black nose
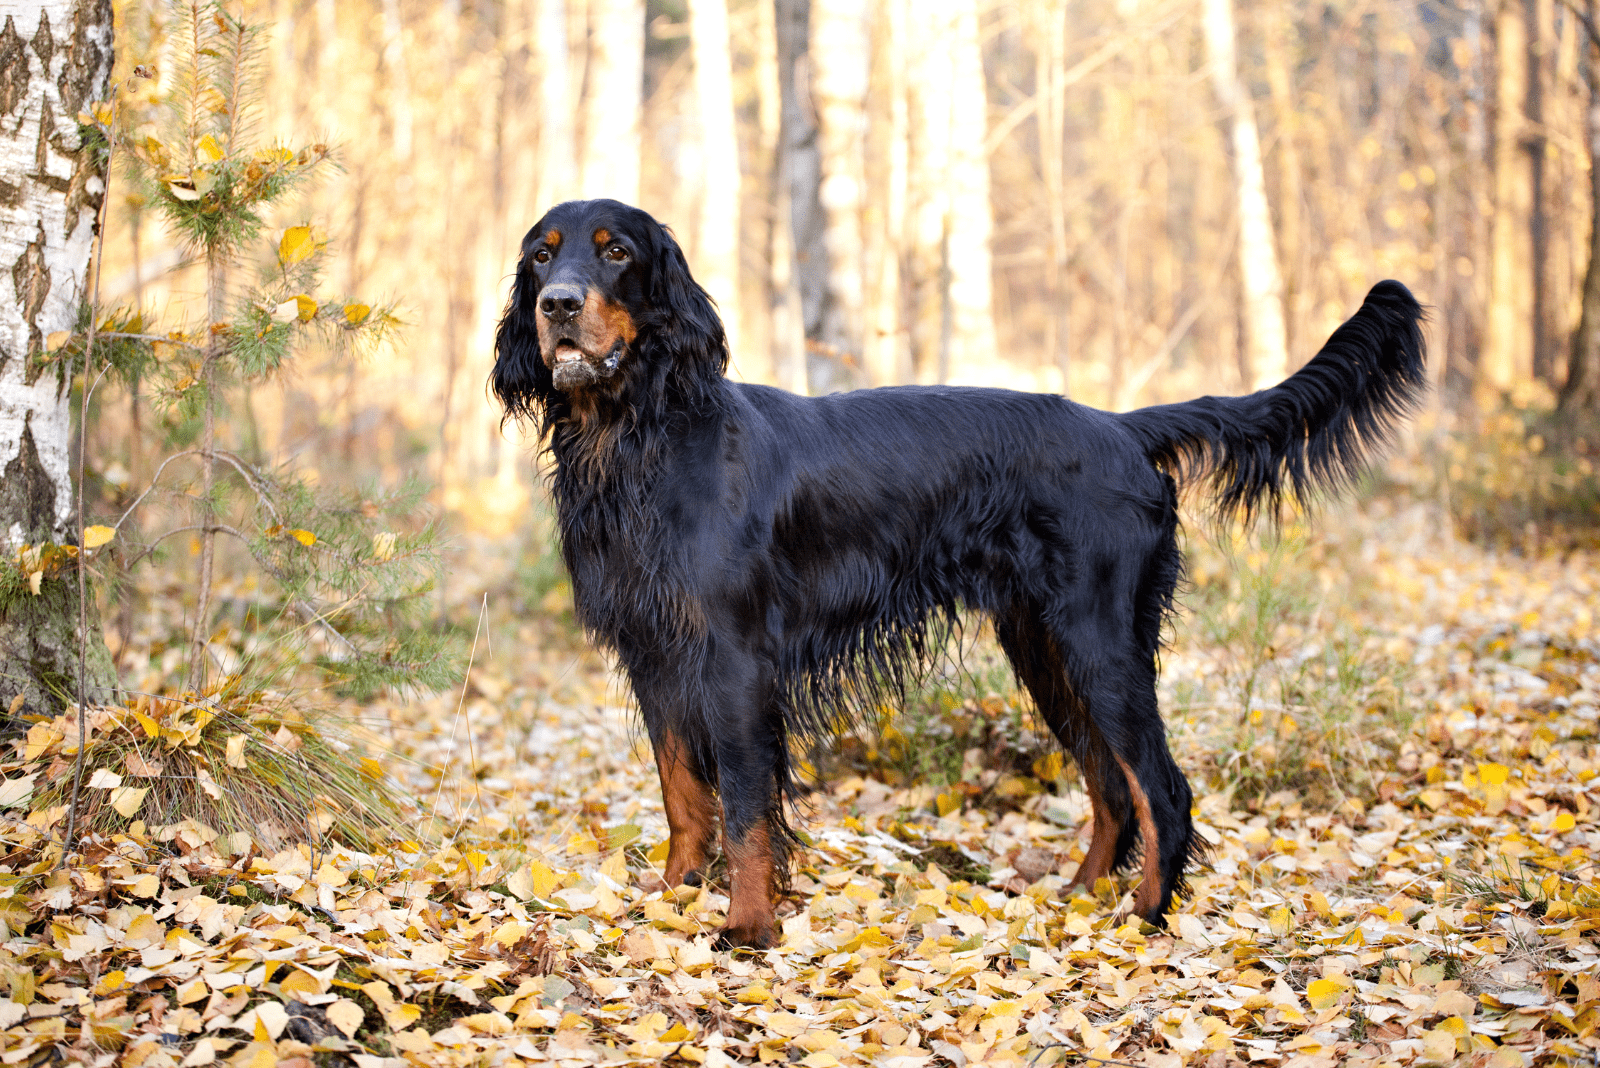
(561, 302)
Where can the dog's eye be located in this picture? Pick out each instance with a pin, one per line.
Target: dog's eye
(616, 253)
(541, 255)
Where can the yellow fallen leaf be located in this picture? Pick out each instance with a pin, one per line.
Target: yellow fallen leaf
(96, 536)
(346, 1015)
(383, 545)
(306, 307)
(304, 537)
(18, 791)
(56, 339)
(356, 314)
(299, 985)
(1324, 993)
(104, 779)
(235, 750)
(209, 148)
(127, 799)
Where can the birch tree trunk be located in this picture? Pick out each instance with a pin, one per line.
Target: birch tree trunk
(717, 241)
(800, 167)
(557, 167)
(55, 58)
(928, 84)
(1507, 354)
(886, 357)
(1266, 344)
(615, 100)
(840, 54)
(786, 338)
(1581, 394)
(974, 352)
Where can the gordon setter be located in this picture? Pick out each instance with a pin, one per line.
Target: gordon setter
(766, 566)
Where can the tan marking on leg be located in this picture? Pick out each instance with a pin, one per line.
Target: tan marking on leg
(1148, 898)
(751, 919)
(1097, 861)
(691, 810)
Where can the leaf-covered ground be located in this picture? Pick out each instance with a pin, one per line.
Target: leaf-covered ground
(1424, 896)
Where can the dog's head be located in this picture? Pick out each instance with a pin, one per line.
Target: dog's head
(603, 301)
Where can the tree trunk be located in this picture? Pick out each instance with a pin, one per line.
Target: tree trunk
(1507, 355)
(1276, 52)
(1581, 394)
(840, 56)
(801, 162)
(974, 352)
(1266, 342)
(1539, 20)
(717, 239)
(928, 79)
(52, 65)
(886, 357)
(557, 168)
(615, 100)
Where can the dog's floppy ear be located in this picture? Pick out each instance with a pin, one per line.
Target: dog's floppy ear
(687, 325)
(520, 377)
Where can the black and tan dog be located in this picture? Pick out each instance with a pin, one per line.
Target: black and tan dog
(765, 564)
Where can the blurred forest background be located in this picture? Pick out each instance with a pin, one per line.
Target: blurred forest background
(1132, 203)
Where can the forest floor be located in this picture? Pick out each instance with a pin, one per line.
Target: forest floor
(1392, 737)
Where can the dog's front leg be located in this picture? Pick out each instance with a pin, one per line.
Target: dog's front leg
(691, 811)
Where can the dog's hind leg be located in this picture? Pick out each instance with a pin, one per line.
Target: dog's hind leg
(1037, 661)
(1118, 686)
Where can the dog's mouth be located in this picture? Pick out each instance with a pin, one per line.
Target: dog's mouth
(573, 367)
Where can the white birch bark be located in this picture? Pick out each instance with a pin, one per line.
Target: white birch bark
(55, 60)
(55, 57)
(1266, 343)
(974, 353)
(717, 238)
(841, 59)
(557, 171)
(394, 62)
(614, 103)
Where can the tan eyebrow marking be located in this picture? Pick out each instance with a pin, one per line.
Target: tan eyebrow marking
(602, 235)
(553, 238)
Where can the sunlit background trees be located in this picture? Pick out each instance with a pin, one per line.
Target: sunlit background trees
(1130, 202)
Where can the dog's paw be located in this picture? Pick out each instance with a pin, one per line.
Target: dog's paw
(753, 937)
(652, 881)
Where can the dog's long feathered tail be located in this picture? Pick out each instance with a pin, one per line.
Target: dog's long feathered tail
(1313, 432)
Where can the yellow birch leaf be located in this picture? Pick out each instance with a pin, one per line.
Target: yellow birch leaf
(35, 581)
(304, 537)
(18, 791)
(104, 779)
(1324, 993)
(182, 192)
(346, 1015)
(355, 314)
(1563, 822)
(307, 307)
(297, 245)
(57, 338)
(383, 545)
(235, 750)
(146, 886)
(300, 985)
(152, 729)
(288, 311)
(127, 799)
(400, 1017)
(209, 148)
(96, 536)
